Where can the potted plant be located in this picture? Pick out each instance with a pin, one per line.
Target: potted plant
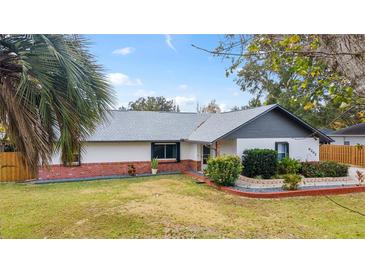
(154, 165)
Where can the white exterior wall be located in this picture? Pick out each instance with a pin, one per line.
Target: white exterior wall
(107, 152)
(303, 149)
(188, 151)
(56, 158)
(228, 147)
(354, 140)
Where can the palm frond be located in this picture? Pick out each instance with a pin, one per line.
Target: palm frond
(52, 94)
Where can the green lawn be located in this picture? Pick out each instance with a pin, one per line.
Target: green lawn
(171, 206)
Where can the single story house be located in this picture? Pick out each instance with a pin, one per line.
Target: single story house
(184, 141)
(352, 135)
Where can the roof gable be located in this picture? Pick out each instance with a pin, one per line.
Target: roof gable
(221, 124)
(272, 124)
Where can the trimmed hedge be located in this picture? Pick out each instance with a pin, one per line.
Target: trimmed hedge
(324, 169)
(224, 170)
(289, 166)
(259, 162)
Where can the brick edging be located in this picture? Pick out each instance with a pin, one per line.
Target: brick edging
(283, 194)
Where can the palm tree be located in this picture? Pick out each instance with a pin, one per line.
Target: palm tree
(52, 94)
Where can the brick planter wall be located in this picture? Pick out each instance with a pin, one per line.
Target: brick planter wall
(282, 194)
(305, 180)
(110, 169)
(267, 183)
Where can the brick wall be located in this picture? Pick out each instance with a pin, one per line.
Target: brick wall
(109, 169)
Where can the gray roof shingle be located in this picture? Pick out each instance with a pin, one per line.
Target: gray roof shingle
(147, 126)
(172, 126)
(358, 129)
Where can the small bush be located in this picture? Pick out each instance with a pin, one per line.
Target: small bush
(154, 163)
(323, 169)
(259, 162)
(289, 166)
(291, 181)
(311, 170)
(224, 170)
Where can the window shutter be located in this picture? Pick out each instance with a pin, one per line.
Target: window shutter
(152, 144)
(177, 152)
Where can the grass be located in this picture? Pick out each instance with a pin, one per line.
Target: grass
(172, 206)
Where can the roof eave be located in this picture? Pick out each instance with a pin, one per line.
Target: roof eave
(196, 141)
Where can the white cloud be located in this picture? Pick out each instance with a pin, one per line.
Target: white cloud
(144, 93)
(223, 107)
(186, 103)
(124, 51)
(120, 79)
(183, 87)
(168, 40)
(236, 93)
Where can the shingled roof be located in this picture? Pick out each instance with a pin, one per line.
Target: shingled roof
(148, 126)
(176, 126)
(220, 124)
(355, 130)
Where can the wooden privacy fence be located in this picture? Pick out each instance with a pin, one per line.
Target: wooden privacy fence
(12, 168)
(352, 155)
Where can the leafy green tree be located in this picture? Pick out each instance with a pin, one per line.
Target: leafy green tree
(284, 69)
(151, 103)
(52, 94)
(254, 102)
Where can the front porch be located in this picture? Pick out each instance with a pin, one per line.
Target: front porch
(221, 147)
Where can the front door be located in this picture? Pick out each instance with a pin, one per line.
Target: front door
(205, 155)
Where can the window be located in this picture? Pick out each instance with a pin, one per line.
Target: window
(283, 149)
(166, 151)
(346, 143)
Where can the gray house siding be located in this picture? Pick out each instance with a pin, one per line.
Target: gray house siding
(274, 124)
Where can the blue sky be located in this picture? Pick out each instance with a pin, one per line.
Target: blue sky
(166, 65)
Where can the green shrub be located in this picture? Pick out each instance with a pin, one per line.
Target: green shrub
(323, 169)
(289, 166)
(154, 163)
(277, 176)
(311, 170)
(259, 162)
(291, 181)
(224, 170)
(333, 169)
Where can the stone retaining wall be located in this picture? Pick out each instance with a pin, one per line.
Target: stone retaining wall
(282, 194)
(266, 183)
